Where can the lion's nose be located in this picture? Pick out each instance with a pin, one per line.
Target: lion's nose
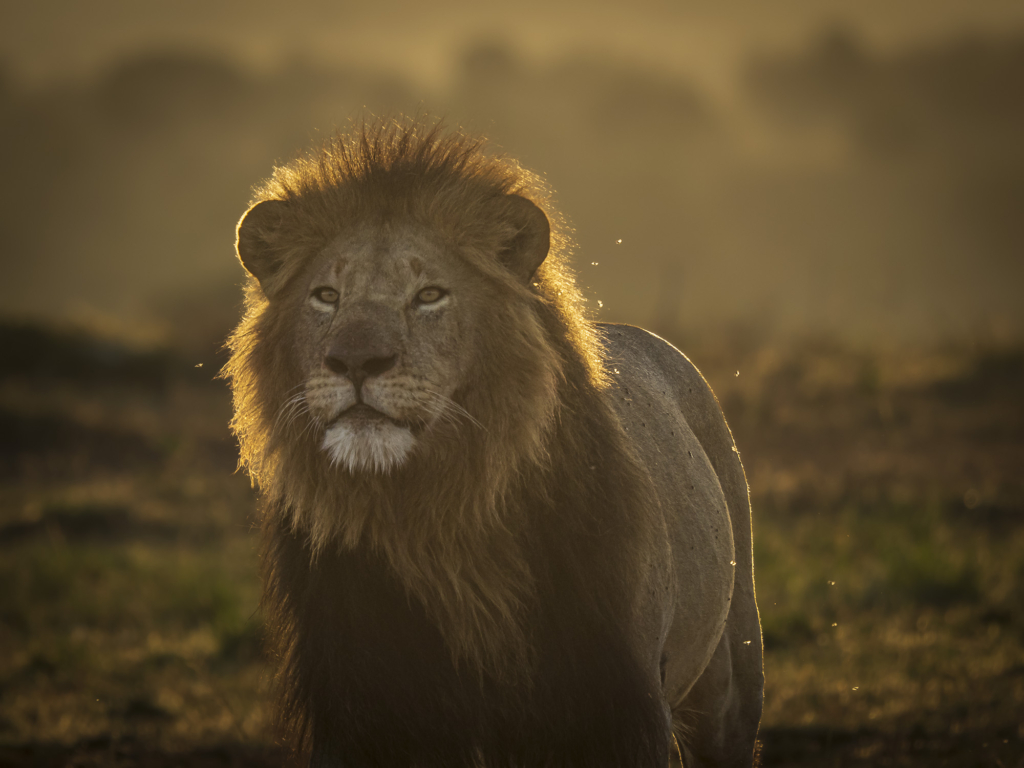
(360, 352)
(361, 365)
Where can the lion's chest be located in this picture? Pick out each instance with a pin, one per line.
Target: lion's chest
(372, 659)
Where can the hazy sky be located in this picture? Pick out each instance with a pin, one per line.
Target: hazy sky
(722, 210)
(43, 39)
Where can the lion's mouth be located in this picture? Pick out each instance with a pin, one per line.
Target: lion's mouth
(361, 413)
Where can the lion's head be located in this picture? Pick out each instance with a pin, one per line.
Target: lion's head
(409, 318)
(386, 322)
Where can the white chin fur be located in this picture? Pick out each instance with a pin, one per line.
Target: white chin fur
(368, 446)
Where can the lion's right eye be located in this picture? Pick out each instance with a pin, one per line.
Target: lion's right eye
(326, 294)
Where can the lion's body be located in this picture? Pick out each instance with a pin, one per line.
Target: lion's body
(492, 538)
(681, 438)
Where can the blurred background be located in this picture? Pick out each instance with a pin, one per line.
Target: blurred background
(821, 201)
(852, 168)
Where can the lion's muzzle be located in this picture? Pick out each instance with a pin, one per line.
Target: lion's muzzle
(363, 348)
(365, 436)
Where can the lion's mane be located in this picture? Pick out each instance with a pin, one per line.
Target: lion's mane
(455, 524)
(544, 581)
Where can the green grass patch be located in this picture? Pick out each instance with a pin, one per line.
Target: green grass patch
(888, 615)
(54, 588)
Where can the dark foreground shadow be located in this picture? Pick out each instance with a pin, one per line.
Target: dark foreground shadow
(799, 747)
(820, 746)
(103, 752)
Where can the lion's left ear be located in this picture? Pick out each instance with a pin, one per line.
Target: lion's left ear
(528, 248)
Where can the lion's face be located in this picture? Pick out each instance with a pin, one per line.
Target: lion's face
(400, 336)
(380, 342)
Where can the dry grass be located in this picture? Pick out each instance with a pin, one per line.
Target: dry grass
(888, 504)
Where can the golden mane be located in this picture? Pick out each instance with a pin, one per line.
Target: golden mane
(448, 524)
(546, 579)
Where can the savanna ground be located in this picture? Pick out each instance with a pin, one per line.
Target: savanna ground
(888, 494)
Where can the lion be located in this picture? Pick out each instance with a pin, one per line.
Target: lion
(496, 533)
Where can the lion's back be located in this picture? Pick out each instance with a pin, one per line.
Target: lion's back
(657, 385)
(670, 379)
(677, 430)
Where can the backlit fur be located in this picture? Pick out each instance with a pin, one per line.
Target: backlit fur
(453, 500)
(505, 545)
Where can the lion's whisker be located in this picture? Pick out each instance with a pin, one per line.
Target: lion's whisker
(311, 427)
(300, 412)
(451, 409)
(291, 409)
(446, 414)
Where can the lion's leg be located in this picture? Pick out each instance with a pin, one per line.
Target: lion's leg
(596, 726)
(720, 714)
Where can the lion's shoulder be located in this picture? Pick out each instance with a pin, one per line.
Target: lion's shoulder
(646, 353)
(657, 367)
(642, 365)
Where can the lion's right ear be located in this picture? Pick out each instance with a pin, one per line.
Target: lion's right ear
(256, 241)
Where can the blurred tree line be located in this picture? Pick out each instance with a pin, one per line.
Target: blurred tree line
(871, 195)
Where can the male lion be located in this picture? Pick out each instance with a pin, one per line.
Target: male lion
(496, 534)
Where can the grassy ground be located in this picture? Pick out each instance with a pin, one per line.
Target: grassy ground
(888, 498)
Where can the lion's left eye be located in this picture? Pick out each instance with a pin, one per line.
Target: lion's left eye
(326, 295)
(430, 295)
